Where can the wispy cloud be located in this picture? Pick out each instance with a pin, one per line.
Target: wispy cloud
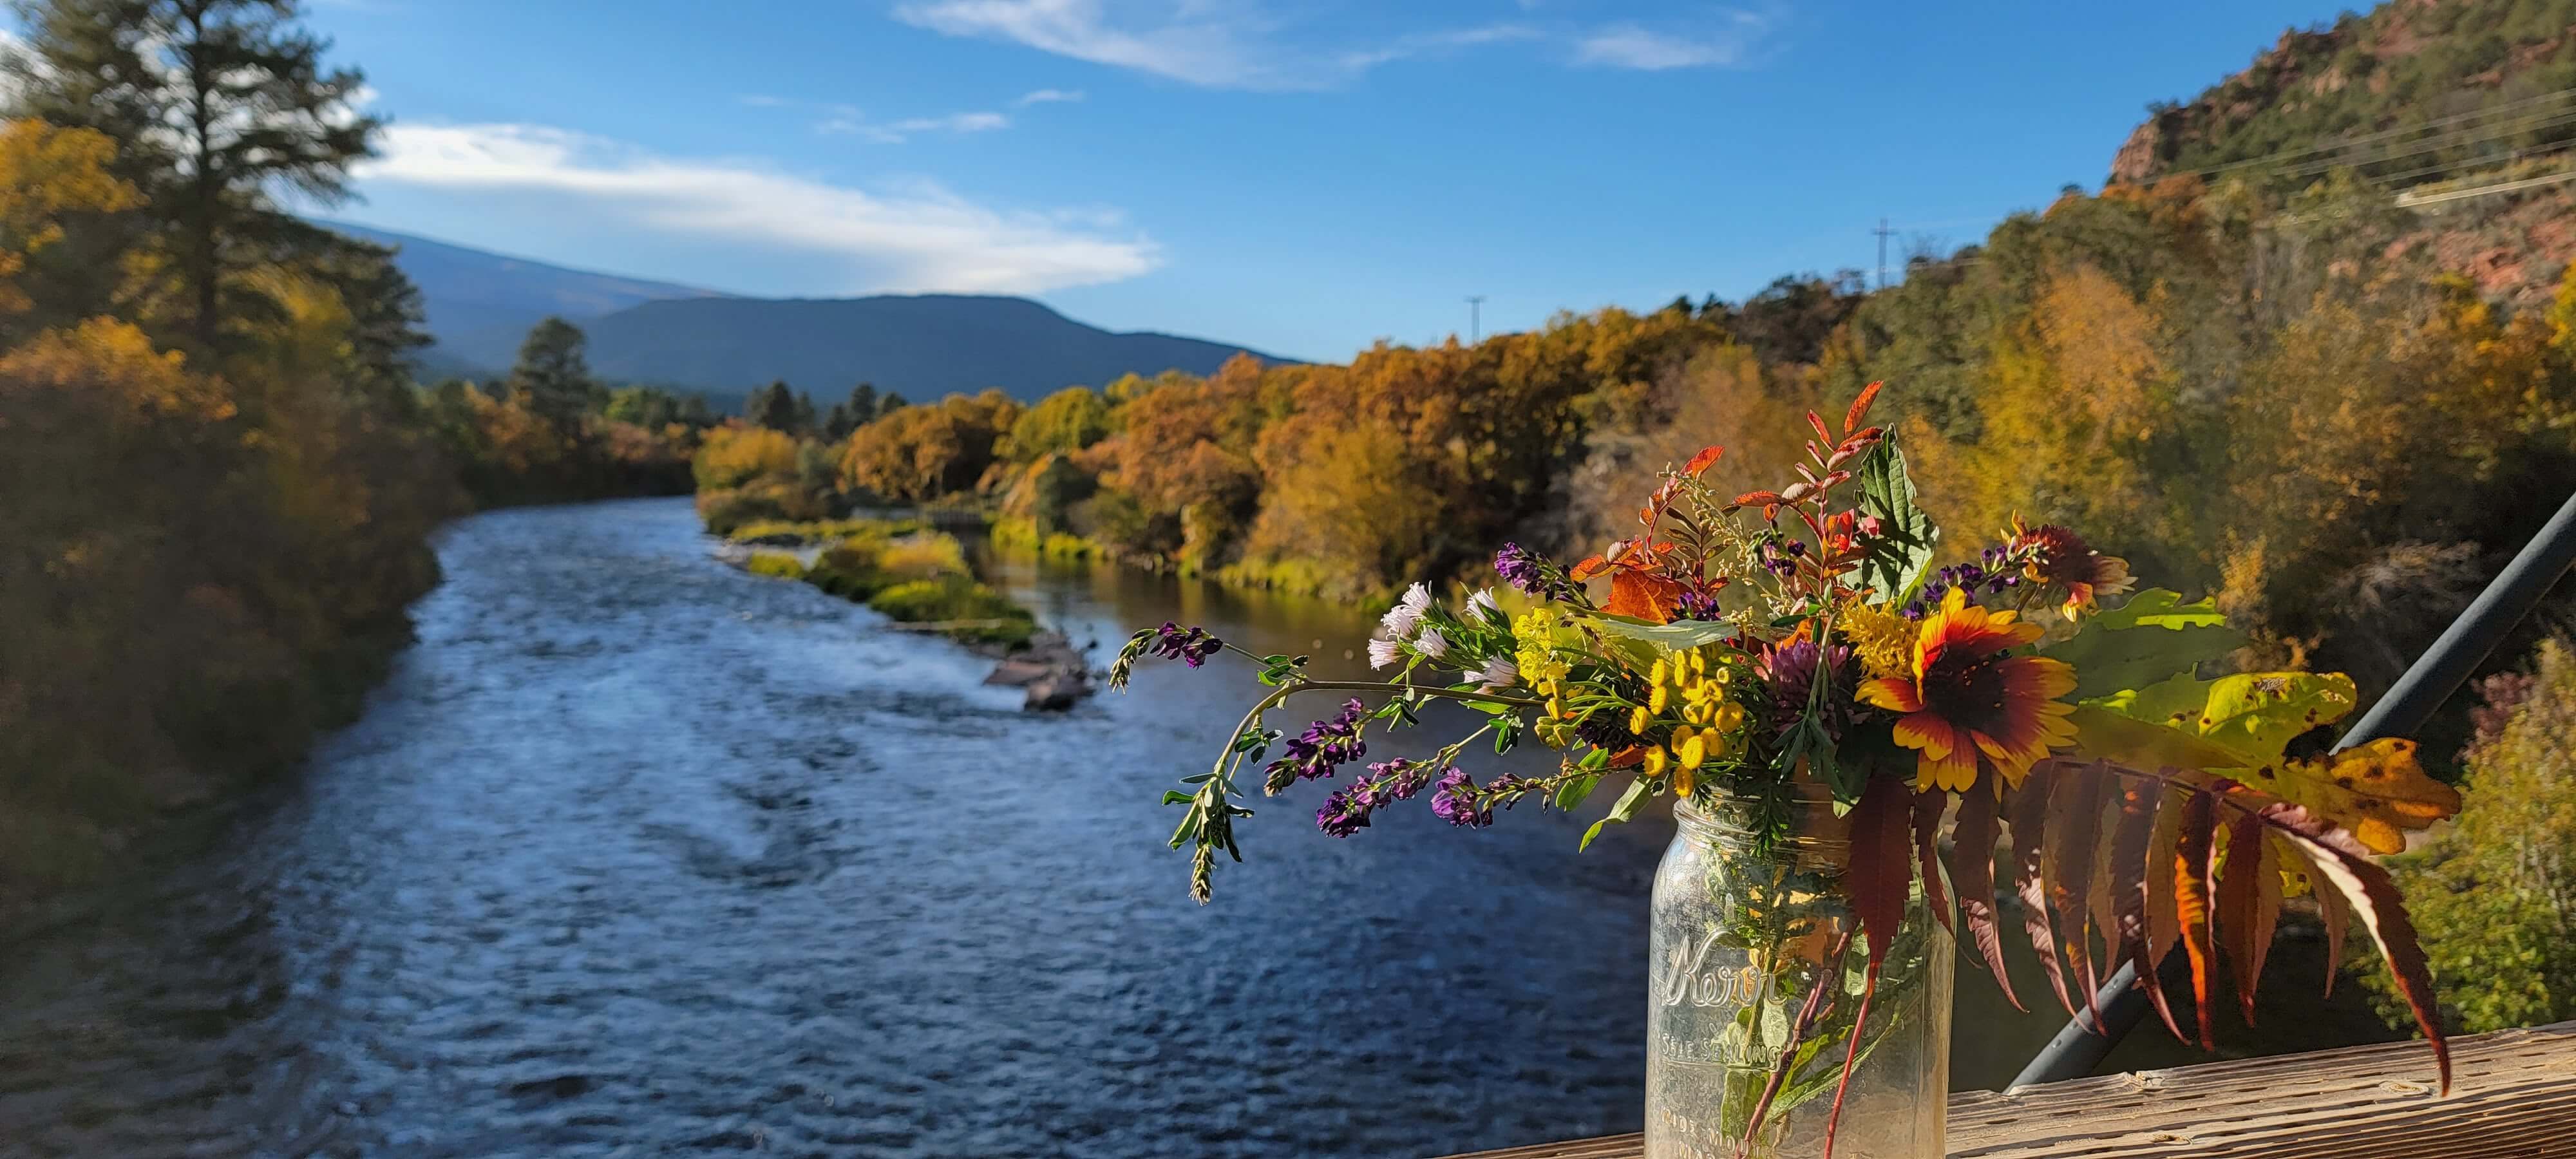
(1049, 96)
(761, 101)
(1242, 44)
(921, 238)
(1212, 43)
(1630, 45)
(846, 120)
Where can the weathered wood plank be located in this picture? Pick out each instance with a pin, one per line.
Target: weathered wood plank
(2513, 1096)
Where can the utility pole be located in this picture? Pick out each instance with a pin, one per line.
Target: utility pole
(1882, 231)
(1475, 318)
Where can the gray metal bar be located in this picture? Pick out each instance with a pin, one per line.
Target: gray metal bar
(2439, 672)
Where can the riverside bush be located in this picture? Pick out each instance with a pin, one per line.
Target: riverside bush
(775, 564)
(982, 615)
(2494, 898)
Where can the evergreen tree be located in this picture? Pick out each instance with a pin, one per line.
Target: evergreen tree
(217, 106)
(772, 406)
(890, 402)
(552, 379)
(857, 411)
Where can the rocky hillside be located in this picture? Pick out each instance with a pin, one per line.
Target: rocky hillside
(2464, 110)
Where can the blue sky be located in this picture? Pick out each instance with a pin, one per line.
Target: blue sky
(1302, 176)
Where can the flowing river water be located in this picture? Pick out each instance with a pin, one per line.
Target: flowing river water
(636, 854)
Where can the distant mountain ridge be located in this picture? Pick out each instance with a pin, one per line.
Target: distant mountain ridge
(480, 305)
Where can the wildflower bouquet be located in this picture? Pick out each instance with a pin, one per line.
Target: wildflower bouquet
(1749, 653)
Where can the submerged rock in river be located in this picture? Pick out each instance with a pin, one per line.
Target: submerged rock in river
(1050, 668)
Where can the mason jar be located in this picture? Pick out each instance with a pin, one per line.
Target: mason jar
(1757, 978)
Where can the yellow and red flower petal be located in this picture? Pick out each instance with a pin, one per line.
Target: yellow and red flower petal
(1929, 733)
(1893, 693)
(1955, 773)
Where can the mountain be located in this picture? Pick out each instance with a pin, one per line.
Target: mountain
(480, 305)
(2464, 109)
(922, 345)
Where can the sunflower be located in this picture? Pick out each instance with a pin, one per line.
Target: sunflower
(2064, 565)
(1967, 702)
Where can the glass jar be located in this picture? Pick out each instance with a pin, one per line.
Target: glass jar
(1756, 977)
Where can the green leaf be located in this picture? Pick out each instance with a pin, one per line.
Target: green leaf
(2143, 642)
(1626, 809)
(2107, 735)
(1572, 792)
(1680, 636)
(1177, 797)
(1897, 559)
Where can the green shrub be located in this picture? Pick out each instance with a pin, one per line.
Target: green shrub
(848, 570)
(2494, 898)
(980, 614)
(928, 555)
(775, 564)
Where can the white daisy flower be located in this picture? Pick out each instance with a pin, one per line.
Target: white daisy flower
(1384, 653)
(1431, 643)
(1499, 673)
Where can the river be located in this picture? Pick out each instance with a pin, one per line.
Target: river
(634, 853)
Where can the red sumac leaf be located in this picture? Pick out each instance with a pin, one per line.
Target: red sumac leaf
(1928, 806)
(1880, 873)
(2028, 813)
(2195, 842)
(1972, 874)
(1821, 432)
(1764, 498)
(2333, 914)
(2074, 837)
(1877, 881)
(2130, 873)
(2340, 863)
(1860, 407)
(1588, 568)
(1701, 461)
(2162, 927)
(2249, 905)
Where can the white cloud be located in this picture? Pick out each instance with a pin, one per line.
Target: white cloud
(1635, 46)
(1212, 43)
(921, 238)
(1049, 96)
(843, 119)
(761, 101)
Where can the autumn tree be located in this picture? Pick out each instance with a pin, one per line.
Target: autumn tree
(58, 194)
(926, 452)
(220, 106)
(1068, 420)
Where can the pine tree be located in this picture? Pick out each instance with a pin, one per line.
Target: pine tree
(857, 411)
(552, 379)
(218, 106)
(772, 406)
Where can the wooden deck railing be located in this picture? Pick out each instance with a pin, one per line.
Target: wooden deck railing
(2513, 1096)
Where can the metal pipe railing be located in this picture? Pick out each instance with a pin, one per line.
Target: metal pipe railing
(2079, 1047)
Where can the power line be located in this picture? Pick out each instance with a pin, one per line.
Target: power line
(2347, 142)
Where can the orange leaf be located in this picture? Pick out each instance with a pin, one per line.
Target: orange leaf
(2249, 904)
(2193, 846)
(2162, 927)
(1765, 498)
(1701, 461)
(2130, 874)
(2029, 821)
(1860, 407)
(1590, 567)
(2342, 864)
(1928, 806)
(1645, 596)
(1972, 874)
(1819, 424)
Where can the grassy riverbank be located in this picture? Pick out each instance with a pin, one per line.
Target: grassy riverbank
(903, 571)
